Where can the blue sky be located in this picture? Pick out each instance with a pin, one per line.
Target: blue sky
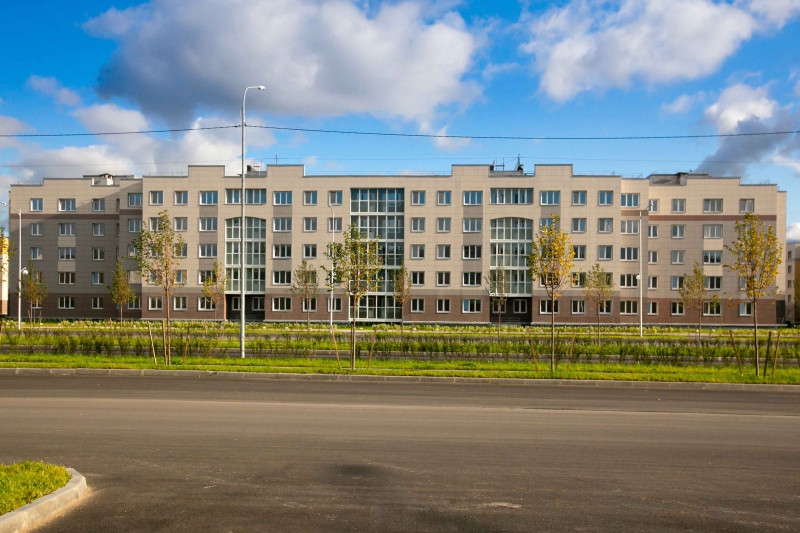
(575, 67)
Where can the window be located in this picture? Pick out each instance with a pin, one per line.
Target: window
(256, 196)
(629, 200)
(546, 307)
(605, 198)
(155, 224)
(712, 257)
(550, 197)
(511, 196)
(417, 197)
(471, 305)
(309, 251)
(180, 198)
(156, 197)
(307, 305)
(37, 204)
(605, 307)
(628, 281)
(282, 198)
(678, 257)
(281, 251)
(208, 223)
(443, 198)
(652, 206)
(233, 196)
(417, 224)
(209, 198)
(713, 283)
(579, 279)
(578, 197)
(629, 227)
(208, 250)
(335, 305)
(473, 225)
(629, 253)
(66, 204)
(134, 225)
(605, 225)
(180, 277)
(134, 199)
(580, 252)
(471, 279)
(443, 225)
(712, 205)
(442, 305)
(629, 307)
(676, 282)
(335, 225)
(712, 309)
(747, 205)
(281, 304)
(310, 198)
(418, 278)
(309, 224)
(578, 225)
(417, 305)
(334, 197)
(183, 251)
(746, 309)
(473, 197)
(652, 308)
(66, 254)
(136, 303)
(154, 303)
(66, 278)
(66, 230)
(605, 253)
(652, 282)
(578, 307)
(235, 303)
(679, 206)
(179, 303)
(443, 279)
(36, 254)
(97, 302)
(203, 275)
(678, 231)
(98, 205)
(180, 223)
(98, 278)
(116, 224)
(652, 257)
(417, 251)
(204, 303)
(66, 302)
(472, 251)
(652, 232)
(36, 229)
(258, 304)
(281, 277)
(712, 231)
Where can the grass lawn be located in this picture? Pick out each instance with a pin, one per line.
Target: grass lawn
(21, 483)
(497, 369)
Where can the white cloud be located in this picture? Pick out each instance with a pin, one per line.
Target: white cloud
(316, 58)
(683, 103)
(793, 232)
(785, 161)
(739, 103)
(444, 143)
(51, 87)
(493, 69)
(597, 45)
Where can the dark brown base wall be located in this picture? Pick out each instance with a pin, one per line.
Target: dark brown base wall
(83, 308)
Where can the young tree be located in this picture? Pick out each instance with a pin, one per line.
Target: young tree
(693, 294)
(214, 287)
(550, 261)
(598, 290)
(758, 255)
(402, 292)
(34, 290)
(158, 252)
(305, 286)
(357, 268)
(120, 289)
(497, 285)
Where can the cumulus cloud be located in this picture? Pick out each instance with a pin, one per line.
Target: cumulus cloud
(597, 45)
(52, 88)
(316, 58)
(683, 103)
(444, 143)
(793, 232)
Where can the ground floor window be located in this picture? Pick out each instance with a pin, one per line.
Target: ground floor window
(676, 308)
(605, 307)
(235, 304)
(136, 303)
(309, 305)
(417, 305)
(578, 307)
(652, 308)
(628, 307)
(97, 302)
(336, 306)
(498, 307)
(282, 304)
(520, 306)
(179, 303)
(547, 307)
(471, 305)
(154, 303)
(204, 303)
(66, 302)
(746, 309)
(712, 309)
(443, 305)
(258, 303)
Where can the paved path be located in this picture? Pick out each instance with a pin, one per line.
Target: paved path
(180, 454)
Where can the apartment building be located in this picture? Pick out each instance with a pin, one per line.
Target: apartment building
(451, 231)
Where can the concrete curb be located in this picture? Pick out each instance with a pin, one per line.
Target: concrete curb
(31, 514)
(601, 383)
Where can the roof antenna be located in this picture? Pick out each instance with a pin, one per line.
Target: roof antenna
(276, 159)
(519, 164)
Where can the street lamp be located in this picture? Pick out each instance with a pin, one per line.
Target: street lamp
(640, 276)
(19, 266)
(242, 229)
(332, 227)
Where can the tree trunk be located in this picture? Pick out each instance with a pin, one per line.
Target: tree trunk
(755, 333)
(774, 359)
(499, 320)
(552, 334)
(308, 315)
(766, 357)
(353, 347)
(598, 323)
(152, 344)
(164, 342)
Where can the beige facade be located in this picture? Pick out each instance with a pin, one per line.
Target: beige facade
(452, 230)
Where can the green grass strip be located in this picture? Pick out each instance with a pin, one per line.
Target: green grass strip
(22, 483)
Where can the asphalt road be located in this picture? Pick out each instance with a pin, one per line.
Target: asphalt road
(193, 455)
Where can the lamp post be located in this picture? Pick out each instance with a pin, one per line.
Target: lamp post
(333, 241)
(641, 273)
(242, 229)
(19, 266)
